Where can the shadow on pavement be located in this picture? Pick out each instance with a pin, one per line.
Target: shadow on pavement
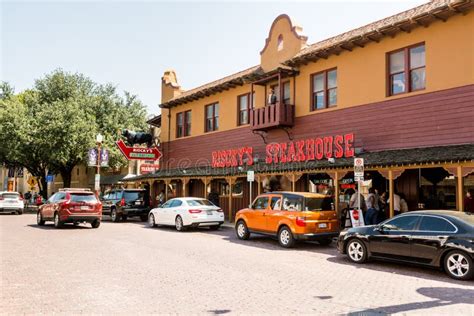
(443, 296)
(219, 311)
(405, 269)
(64, 227)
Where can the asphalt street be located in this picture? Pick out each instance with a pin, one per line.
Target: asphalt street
(129, 268)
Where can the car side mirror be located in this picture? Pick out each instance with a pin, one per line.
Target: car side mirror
(379, 228)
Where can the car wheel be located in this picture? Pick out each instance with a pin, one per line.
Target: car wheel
(57, 221)
(114, 215)
(458, 265)
(325, 241)
(95, 224)
(356, 251)
(179, 224)
(241, 230)
(214, 227)
(20, 212)
(144, 218)
(151, 220)
(39, 219)
(285, 237)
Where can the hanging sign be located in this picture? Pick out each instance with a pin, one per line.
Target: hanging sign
(92, 157)
(149, 168)
(104, 157)
(138, 153)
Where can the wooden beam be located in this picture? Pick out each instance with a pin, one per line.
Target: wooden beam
(460, 189)
(390, 193)
(357, 44)
(342, 46)
(438, 17)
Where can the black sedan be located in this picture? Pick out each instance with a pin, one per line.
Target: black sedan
(443, 239)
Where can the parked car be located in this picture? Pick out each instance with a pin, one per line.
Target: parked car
(71, 206)
(187, 212)
(121, 204)
(443, 239)
(11, 202)
(290, 216)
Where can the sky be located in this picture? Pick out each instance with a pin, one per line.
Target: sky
(131, 43)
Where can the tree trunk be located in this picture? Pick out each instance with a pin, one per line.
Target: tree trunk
(43, 186)
(66, 175)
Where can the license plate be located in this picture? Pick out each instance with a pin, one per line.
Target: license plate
(209, 212)
(84, 208)
(323, 225)
(138, 202)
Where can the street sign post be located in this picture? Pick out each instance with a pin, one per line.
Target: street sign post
(250, 179)
(138, 153)
(358, 176)
(97, 182)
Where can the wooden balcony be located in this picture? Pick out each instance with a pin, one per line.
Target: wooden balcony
(272, 116)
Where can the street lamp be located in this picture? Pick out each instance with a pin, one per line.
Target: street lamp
(99, 138)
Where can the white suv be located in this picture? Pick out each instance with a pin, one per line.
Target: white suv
(11, 202)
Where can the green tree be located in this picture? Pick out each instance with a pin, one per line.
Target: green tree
(56, 122)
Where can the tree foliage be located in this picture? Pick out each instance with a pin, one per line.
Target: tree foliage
(51, 126)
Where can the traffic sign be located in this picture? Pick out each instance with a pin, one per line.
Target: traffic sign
(138, 153)
(359, 169)
(250, 176)
(49, 178)
(32, 181)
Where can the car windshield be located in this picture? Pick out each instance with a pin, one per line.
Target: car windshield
(199, 203)
(83, 197)
(133, 195)
(318, 204)
(10, 195)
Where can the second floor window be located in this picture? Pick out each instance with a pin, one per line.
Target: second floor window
(212, 117)
(406, 70)
(183, 124)
(324, 89)
(243, 107)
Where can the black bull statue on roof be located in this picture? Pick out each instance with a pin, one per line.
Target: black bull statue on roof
(137, 137)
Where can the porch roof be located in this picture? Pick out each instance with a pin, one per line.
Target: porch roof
(379, 159)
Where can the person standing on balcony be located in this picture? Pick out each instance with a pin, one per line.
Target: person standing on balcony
(272, 98)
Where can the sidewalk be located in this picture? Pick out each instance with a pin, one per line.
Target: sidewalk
(228, 225)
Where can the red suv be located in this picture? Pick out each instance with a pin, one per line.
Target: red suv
(71, 206)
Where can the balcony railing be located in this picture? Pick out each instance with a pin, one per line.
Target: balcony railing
(272, 116)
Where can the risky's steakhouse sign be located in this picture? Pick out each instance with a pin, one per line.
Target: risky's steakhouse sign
(295, 151)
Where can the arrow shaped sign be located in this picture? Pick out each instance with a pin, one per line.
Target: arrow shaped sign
(138, 153)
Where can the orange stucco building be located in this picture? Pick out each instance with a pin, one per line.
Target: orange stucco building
(398, 92)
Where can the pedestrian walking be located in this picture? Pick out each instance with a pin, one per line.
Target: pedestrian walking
(469, 202)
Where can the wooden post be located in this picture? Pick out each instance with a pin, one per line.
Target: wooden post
(258, 185)
(167, 183)
(390, 193)
(205, 187)
(460, 189)
(230, 199)
(336, 191)
(293, 181)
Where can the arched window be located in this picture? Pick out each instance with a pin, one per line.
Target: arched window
(280, 42)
